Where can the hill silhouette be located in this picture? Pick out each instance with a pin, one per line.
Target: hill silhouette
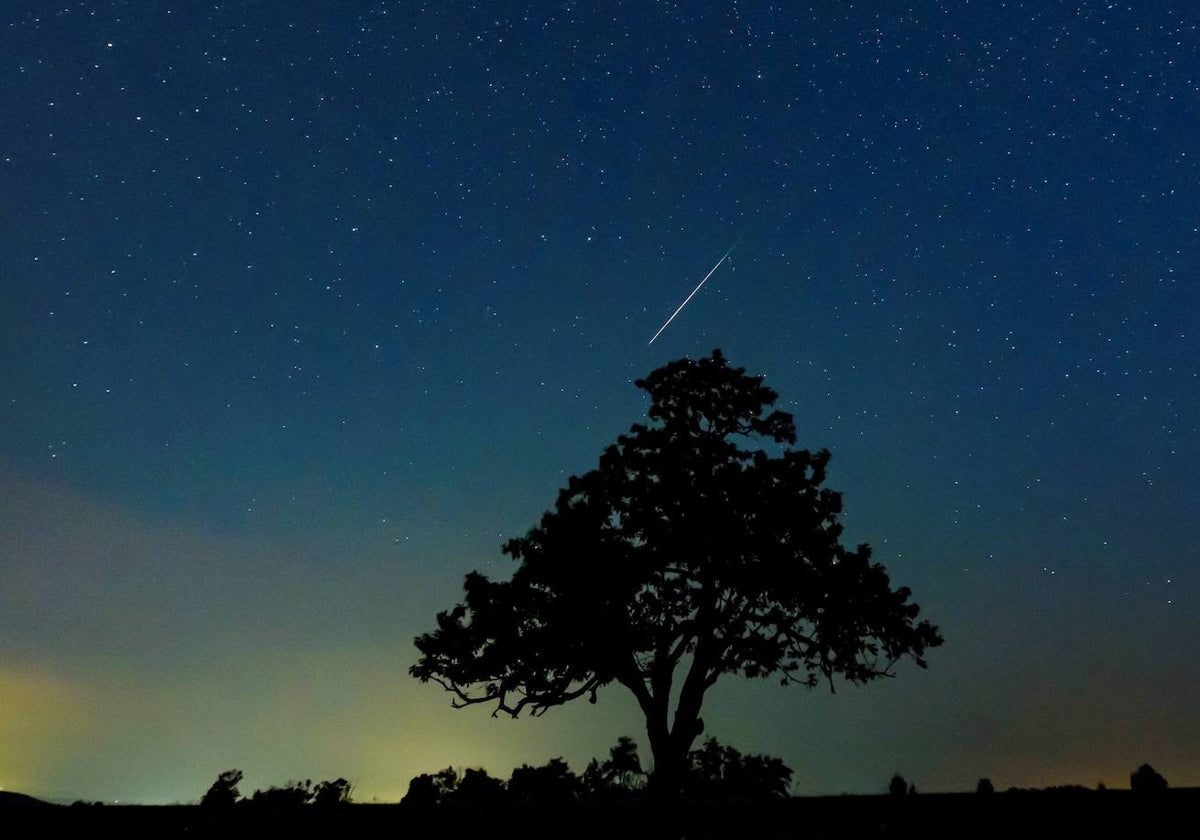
(12, 799)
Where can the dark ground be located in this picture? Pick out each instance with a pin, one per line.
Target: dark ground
(1020, 815)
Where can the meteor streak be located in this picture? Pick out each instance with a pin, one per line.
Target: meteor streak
(693, 294)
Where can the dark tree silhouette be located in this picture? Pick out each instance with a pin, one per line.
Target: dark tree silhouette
(477, 786)
(1146, 778)
(291, 795)
(430, 789)
(328, 794)
(552, 782)
(718, 770)
(683, 553)
(223, 793)
(985, 787)
(897, 786)
(621, 773)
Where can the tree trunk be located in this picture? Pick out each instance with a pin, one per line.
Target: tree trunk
(670, 770)
(670, 742)
(670, 748)
(666, 780)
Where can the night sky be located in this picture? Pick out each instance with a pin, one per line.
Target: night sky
(306, 308)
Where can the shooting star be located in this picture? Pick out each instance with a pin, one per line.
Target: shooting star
(693, 294)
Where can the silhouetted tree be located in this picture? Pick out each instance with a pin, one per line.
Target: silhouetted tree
(624, 765)
(552, 782)
(706, 765)
(619, 775)
(328, 794)
(765, 775)
(1147, 779)
(430, 789)
(985, 787)
(291, 795)
(477, 786)
(683, 551)
(898, 787)
(223, 793)
(720, 770)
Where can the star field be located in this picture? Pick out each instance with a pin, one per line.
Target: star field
(308, 307)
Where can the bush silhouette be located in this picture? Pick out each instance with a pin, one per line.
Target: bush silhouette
(291, 795)
(329, 794)
(430, 788)
(1146, 779)
(552, 782)
(717, 770)
(477, 786)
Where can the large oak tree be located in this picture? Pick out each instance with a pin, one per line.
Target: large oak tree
(702, 544)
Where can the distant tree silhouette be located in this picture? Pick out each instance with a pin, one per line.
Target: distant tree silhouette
(291, 795)
(1147, 779)
(328, 794)
(717, 770)
(552, 782)
(477, 786)
(683, 551)
(223, 793)
(430, 788)
(624, 764)
(296, 794)
(621, 773)
(898, 787)
(985, 787)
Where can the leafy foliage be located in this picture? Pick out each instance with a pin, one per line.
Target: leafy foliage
(684, 550)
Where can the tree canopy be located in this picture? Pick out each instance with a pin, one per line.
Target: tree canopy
(1146, 778)
(620, 774)
(223, 793)
(702, 544)
(720, 770)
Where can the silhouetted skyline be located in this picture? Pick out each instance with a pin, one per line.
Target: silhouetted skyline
(307, 311)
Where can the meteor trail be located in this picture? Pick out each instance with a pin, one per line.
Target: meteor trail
(693, 294)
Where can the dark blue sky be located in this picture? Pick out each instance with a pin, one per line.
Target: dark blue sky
(307, 307)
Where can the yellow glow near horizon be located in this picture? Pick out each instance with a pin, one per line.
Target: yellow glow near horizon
(45, 715)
